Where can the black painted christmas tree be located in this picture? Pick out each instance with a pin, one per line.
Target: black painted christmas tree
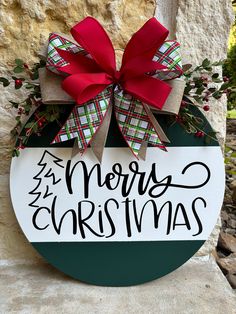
(46, 178)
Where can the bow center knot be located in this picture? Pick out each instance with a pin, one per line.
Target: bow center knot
(117, 76)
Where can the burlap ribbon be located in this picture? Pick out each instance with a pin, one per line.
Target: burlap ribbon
(129, 93)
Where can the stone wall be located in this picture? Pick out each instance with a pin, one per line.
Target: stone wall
(201, 26)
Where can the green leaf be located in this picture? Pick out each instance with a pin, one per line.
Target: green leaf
(4, 81)
(216, 80)
(27, 108)
(42, 63)
(29, 86)
(232, 172)
(198, 99)
(19, 62)
(197, 69)
(212, 89)
(197, 120)
(188, 88)
(35, 127)
(52, 118)
(200, 90)
(17, 118)
(15, 153)
(18, 69)
(215, 75)
(233, 155)
(192, 128)
(227, 149)
(25, 139)
(14, 132)
(35, 75)
(206, 62)
(18, 78)
(41, 114)
(217, 95)
(14, 104)
(225, 86)
(29, 125)
(196, 79)
(218, 63)
(186, 67)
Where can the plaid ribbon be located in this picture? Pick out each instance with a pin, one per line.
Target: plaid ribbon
(84, 121)
(132, 118)
(54, 61)
(134, 122)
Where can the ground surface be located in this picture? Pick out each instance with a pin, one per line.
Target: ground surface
(195, 288)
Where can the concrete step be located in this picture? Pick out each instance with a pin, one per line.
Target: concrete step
(198, 287)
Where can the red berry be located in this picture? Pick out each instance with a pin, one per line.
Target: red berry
(204, 78)
(178, 119)
(18, 83)
(206, 108)
(225, 79)
(20, 111)
(40, 123)
(183, 104)
(199, 134)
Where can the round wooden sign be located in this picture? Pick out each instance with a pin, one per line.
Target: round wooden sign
(124, 221)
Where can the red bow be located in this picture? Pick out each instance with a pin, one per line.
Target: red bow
(90, 76)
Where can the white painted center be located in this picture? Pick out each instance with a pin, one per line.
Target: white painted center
(150, 200)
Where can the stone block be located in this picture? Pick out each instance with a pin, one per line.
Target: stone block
(197, 287)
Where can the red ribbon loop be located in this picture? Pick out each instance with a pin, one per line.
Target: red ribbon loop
(88, 77)
(92, 37)
(146, 41)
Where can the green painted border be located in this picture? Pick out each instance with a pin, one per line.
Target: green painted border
(117, 263)
(176, 134)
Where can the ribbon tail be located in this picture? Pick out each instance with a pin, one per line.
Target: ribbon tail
(84, 121)
(156, 125)
(173, 102)
(98, 141)
(143, 150)
(75, 149)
